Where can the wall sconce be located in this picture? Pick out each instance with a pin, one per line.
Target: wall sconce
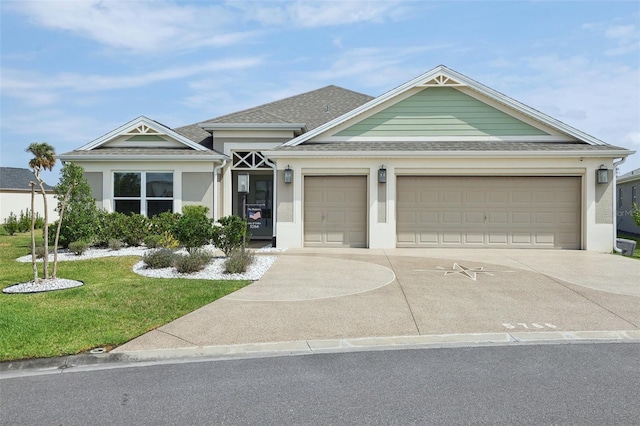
(603, 174)
(288, 175)
(382, 174)
(243, 182)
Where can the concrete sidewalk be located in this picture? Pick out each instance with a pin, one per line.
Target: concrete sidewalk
(344, 296)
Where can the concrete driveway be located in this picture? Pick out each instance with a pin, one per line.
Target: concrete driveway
(323, 295)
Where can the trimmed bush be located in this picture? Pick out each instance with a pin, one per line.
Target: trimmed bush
(169, 241)
(228, 234)
(78, 247)
(152, 241)
(114, 244)
(137, 227)
(238, 261)
(40, 252)
(11, 224)
(193, 229)
(159, 258)
(164, 222)
(193, 261)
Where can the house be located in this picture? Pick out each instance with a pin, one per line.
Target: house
(15, 194)
(628, 187)
(440, 161)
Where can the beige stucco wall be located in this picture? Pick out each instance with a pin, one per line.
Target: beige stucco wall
(16, 201)
(94, 179)
(285, 199)
(197, 189)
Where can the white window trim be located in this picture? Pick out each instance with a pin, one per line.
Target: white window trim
(143, 190)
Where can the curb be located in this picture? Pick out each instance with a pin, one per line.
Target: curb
(309, 347)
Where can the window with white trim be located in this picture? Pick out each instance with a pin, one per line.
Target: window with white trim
(146, 193)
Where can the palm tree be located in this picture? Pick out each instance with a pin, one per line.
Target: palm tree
(43, 159)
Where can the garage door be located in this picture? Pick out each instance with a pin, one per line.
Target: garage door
(477, 211)
(335, 211)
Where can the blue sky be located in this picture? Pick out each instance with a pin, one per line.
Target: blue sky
(72, 71)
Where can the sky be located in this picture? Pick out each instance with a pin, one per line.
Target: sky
(72, 71)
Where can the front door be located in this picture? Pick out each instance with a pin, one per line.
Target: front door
(258, 207)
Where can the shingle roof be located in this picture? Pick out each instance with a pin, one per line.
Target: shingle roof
(17, 178)
(447, 146)
(142, 152)
(311, 108)
(633, 175)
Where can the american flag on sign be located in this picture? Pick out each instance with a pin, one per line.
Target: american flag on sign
(255, 215)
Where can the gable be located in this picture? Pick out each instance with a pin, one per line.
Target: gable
(440, 111)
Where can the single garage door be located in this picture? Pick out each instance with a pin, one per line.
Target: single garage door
(478, 211)
(335, 211)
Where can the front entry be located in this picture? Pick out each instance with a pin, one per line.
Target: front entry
(259, 204)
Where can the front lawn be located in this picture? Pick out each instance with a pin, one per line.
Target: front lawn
(113, 306)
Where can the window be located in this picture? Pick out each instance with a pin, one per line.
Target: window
(633, 195)
(147, 193)
(619, 197)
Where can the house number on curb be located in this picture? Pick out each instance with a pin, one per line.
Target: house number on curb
(528, 326)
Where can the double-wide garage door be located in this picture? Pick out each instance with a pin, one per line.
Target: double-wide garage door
(335, 211)
(531, 212)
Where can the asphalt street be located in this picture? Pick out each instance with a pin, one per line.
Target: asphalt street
(586, 384)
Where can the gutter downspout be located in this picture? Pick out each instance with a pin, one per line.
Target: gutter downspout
(216, 169)
(275, 199)
(615, 211)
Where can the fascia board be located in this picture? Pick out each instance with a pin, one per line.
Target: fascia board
(252, 126)
(446, 154)
(375, 139)
(146, 158)
(631, 178)
(142, 119)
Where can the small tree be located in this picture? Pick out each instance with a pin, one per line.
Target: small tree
(43, 159)
(71, 190)
(193, 228)
(229, 235)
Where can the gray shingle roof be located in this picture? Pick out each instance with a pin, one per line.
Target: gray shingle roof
(17, 178)
(447, 146)
(311, 108)
(142, 152)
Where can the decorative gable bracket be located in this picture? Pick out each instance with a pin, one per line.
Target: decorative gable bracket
(440, 80)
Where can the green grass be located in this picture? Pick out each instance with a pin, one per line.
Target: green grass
(112, 307)
(636, 252)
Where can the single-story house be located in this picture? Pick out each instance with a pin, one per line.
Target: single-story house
(628, 186)
(439, 161)
(15, 194)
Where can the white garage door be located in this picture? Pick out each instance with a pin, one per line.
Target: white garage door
(335, 211)
(479, 211)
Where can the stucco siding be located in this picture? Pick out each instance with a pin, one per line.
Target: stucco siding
(624, 200)
(604, 201)
(94, 179)
(440, 111)
(17, 201)
(197, 189)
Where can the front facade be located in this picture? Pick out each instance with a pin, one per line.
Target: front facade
(441, 161)
(628, 195)
(15, 194)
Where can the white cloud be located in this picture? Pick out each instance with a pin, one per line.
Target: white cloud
(136, 26)
(39, 89)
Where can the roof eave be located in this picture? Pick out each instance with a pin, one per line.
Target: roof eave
(145, 158)
(447, 154)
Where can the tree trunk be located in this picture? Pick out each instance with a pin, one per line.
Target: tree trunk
(45, 231)
(33, 232)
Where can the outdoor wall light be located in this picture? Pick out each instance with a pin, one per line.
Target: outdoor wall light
(243, 182)
(382, 174)
(603, 174)
(288, 175)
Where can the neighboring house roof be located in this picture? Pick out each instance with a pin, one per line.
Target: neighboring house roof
(631, 176)
(310, 109)
(18, 179)
(442, 76)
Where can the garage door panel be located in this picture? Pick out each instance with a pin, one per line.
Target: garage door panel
(335, 211)
(517, 211)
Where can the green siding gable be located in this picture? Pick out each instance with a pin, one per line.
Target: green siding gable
(440, 111)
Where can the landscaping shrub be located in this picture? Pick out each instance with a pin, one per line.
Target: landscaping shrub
(238, 261)
(39, 222)
(136, 228)
(114, 244)
(164, 222)
(24, 222)
(169, 241)
(113, 226)
(78, 247)
(81, 220)
(40, 251)
(152, 241)
(11, 224)
(193, 261)
(159, 258)
(228, 234)
(193, 228)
